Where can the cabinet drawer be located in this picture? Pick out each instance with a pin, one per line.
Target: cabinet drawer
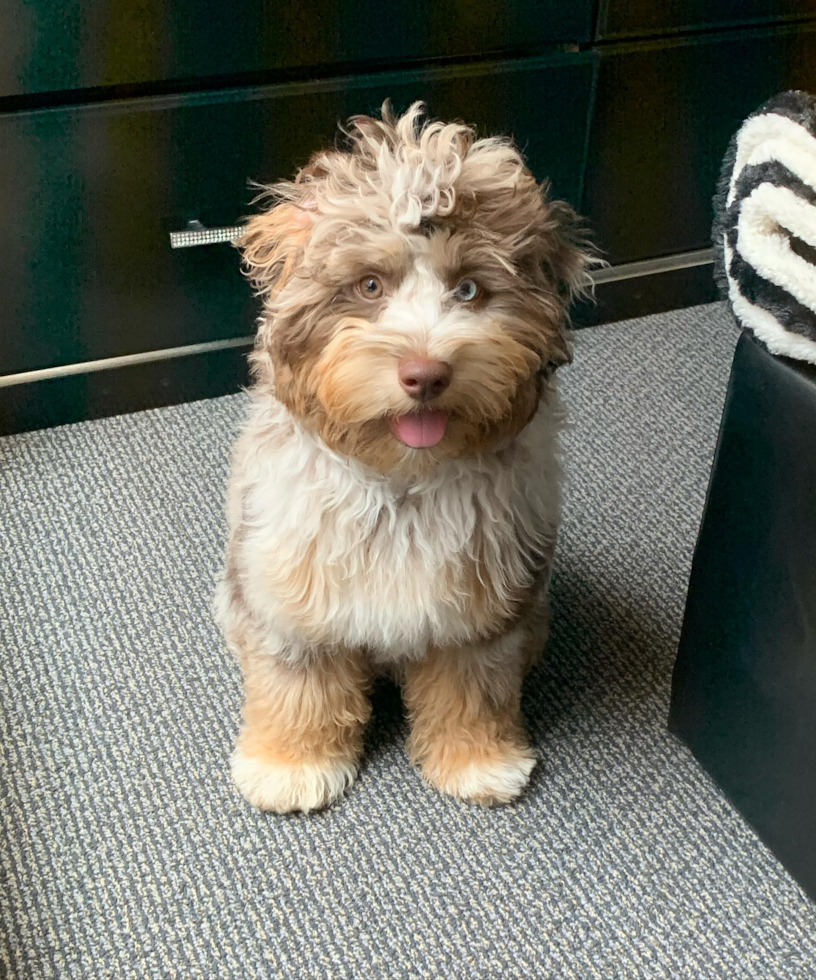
(639, 18)
(89, 195)
(52, 45)
(663, 116)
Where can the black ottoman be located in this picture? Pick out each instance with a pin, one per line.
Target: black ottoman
(744, 688)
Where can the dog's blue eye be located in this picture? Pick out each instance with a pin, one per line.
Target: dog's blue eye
(466, 291)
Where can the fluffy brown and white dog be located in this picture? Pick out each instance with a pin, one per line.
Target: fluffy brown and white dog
(395, 492)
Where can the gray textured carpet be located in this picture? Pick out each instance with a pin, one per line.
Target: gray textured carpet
(126, 852)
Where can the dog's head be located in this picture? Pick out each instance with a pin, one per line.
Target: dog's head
(415, 288)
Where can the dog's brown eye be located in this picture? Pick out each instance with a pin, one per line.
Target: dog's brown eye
(466, 291)
(370, 287)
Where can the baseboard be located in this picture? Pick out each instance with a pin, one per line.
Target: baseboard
(654, 286)
(43, 403)
(74, 393)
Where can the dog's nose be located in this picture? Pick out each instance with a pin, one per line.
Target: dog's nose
(424, 378)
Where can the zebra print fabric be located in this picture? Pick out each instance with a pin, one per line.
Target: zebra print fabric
(765, 225)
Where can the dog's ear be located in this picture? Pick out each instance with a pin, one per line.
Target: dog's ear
(567, 261)
(569, 256)
(272, 242)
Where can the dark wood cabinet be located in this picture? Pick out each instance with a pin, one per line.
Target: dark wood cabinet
(663, 115)
(58, 45)
(90, 194)
(123, 122)
(619, 19)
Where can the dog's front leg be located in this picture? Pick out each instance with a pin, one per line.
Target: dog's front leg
(303, 727)
(467, 732)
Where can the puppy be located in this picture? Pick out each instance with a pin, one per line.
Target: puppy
(394, 496)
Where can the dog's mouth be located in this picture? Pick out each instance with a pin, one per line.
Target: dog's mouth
(420, 430)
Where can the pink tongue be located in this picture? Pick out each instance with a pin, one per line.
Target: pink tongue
(420, 429)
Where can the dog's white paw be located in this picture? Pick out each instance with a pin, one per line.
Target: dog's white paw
(497, 777)
(286, 787)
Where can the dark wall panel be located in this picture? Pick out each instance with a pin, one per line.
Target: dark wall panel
(89, 195)
(53, 45)
(664, 113)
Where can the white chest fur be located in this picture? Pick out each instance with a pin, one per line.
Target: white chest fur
(327, 552)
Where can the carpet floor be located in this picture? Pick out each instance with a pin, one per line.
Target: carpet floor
(126, 852)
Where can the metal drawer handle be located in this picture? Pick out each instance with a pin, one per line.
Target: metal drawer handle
(196, 234)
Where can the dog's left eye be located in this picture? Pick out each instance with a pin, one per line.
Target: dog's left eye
(370, 287)
(466, 291)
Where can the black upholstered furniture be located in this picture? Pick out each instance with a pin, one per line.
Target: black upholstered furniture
(744, 690)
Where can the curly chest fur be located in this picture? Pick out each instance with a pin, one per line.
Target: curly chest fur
(334, 555)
